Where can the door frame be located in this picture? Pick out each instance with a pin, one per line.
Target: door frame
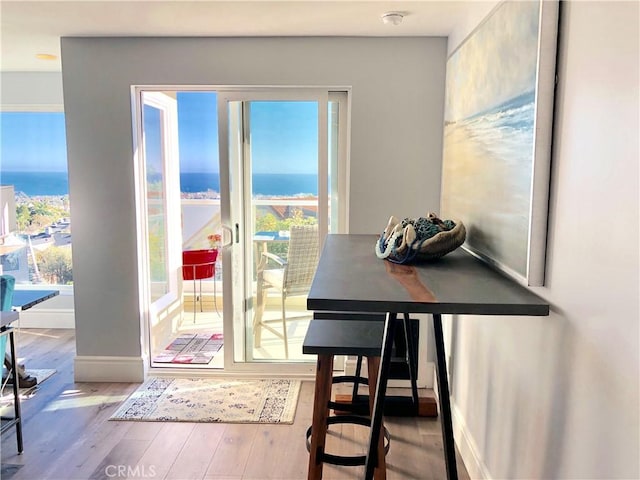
(165, 304)
(341, 95)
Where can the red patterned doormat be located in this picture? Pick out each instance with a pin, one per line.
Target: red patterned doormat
(191, 348)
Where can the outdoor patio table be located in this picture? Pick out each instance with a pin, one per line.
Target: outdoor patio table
(350, 277)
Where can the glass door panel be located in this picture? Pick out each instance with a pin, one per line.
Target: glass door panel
(278, 160)
(158, 206)
(202, 233)
(156, 201)
(283, 179)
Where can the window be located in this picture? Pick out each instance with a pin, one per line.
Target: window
(37, 247)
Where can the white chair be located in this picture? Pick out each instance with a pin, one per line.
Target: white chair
(290, 277)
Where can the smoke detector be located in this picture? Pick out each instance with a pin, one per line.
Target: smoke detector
(392, 18)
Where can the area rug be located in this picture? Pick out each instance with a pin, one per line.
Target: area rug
(212, 400)
(191, 348)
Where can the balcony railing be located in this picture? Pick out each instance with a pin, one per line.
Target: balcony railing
(201, 216)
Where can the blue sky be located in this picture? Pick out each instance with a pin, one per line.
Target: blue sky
(283, 140)
(283, 135)
(198, 131)
(32, 141)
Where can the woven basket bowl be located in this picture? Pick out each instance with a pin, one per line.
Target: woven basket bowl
(442, 243)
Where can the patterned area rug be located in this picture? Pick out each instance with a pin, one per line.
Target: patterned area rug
(191, 348)
(212, 400)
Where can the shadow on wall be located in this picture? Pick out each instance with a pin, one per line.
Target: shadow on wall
(510, 381)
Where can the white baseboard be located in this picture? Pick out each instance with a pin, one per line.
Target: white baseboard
(467, 447)
(109, 369)
(48, 318)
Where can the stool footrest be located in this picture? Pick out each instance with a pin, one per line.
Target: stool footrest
(357, 408)
(351, 460)
(350, 379)
(342, 408)
(394, 405)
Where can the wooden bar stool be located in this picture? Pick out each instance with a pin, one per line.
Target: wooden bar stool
(327, 338)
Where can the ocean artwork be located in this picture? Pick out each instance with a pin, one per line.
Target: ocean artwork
(491, 142)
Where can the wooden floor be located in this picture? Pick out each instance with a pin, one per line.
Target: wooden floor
(67, 435)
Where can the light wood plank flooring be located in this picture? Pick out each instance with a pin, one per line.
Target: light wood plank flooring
(67, 435)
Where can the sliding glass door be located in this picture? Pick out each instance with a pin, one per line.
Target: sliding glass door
(269, 178)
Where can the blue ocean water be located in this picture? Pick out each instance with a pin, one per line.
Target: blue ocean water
(505, 131)
(508, 126)
(37, 183)
(56, 183)
(289, 184)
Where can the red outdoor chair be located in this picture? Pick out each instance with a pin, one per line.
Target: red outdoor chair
(196, 265)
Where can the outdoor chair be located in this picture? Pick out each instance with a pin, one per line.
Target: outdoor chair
(199, 265)
(290, 277)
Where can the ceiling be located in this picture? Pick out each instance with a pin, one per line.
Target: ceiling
(28, 28)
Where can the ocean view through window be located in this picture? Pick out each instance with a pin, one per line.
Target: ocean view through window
(267, 184)
(33, 169)
(33, 162)
(43, 216)
(281, 170)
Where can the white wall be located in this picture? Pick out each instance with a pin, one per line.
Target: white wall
(33, 90)
(558, 397)
(396, 143)
(474, 13)
(7, 210)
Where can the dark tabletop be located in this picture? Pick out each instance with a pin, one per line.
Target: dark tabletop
(24, 299)
(351, 278)
(8, 317)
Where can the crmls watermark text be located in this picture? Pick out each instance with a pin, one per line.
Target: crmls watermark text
(127, 471)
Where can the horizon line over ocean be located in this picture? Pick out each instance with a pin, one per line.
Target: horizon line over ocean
(57, 183)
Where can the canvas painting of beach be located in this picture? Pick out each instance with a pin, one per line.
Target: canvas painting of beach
(490, 136)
